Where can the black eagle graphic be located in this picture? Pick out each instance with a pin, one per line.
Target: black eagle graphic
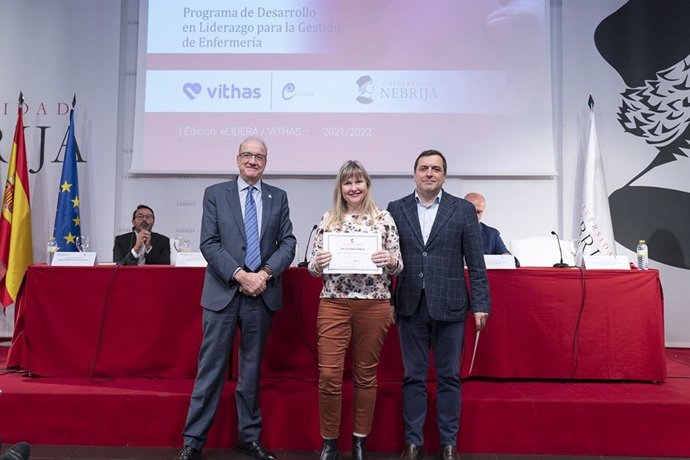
(647, 42)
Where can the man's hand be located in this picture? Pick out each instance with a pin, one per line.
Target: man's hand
(143, 239)
(252, 284)
(480, 320)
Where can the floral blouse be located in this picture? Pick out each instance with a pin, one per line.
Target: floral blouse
(360, 286)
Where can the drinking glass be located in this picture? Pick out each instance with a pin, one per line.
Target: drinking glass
(82, 243)
(182, 244)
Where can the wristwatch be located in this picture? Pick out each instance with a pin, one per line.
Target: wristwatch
(268, 271)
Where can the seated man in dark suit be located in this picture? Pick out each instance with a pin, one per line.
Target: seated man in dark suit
(141, 245)
(491, 238)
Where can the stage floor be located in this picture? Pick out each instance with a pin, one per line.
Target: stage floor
(155, 453)
(500, 418)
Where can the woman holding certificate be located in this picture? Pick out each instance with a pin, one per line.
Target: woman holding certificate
(357, 251)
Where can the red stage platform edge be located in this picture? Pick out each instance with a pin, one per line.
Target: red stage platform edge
(500, 416)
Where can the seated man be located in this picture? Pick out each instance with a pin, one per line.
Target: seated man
(491, 238)
(19, 451)
(141, 245)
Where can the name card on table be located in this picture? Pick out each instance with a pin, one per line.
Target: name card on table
(74, 259)
(190, 259)
(502, 261)
(607, 263)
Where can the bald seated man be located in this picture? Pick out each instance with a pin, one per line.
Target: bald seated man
(491, 238)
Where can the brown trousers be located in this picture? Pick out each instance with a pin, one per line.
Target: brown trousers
(339, 321)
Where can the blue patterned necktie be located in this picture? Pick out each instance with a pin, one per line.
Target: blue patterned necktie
(252, 258)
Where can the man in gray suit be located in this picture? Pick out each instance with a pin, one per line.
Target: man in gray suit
(437, 231)
(247, 240)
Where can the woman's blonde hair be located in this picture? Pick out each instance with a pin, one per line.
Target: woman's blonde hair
(351, 169)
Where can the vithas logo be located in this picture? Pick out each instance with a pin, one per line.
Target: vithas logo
(191, 90)
(224, 91)
(221, 91)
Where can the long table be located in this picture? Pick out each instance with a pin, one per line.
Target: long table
(108, 322)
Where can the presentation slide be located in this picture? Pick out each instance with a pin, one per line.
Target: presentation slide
(322, 82)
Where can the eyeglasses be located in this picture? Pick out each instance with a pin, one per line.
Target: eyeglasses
(144, 216)
(250, 155)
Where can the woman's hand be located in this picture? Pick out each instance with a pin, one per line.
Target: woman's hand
(384, 259)
(322, 259)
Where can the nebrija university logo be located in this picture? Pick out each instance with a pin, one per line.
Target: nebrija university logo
(365, 86)
(655, 203)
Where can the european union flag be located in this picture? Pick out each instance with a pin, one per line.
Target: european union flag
(67, 219)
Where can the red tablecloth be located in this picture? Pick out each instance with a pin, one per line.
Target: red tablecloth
(146, 322)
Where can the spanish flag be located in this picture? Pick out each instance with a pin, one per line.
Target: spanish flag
(16, 252)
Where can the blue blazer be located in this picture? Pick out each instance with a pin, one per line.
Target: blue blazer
(491, 237)
(223, 243)
(439, 263)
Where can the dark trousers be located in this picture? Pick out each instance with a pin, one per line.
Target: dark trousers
(254, 321)
(419, 333)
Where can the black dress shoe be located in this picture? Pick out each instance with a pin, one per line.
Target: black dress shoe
(189, 453)
(254, 449)
(412, 452)
(19, 451)
(449, 453)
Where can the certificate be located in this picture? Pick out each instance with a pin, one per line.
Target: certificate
(351, 252)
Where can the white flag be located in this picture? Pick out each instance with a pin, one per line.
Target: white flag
(596, 230)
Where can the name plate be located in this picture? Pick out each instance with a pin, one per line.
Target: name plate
(74, 259)
(190, 259)
(607, 263)
(499, 261)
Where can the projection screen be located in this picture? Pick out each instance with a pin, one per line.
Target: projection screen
(326, 81)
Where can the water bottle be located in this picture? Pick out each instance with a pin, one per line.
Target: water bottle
(642, 256)
(296, 260)
(51, 250)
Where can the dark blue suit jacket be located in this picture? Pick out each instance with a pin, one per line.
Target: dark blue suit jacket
(491, 238)
(223, 243)
(438, 264)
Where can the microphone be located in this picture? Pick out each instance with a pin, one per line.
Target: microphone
(132, 240)
(560, 264)
(128, 255)
(304, 263)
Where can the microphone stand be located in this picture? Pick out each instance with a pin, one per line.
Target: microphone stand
(560, 264)
(128, 256)
(304, 263)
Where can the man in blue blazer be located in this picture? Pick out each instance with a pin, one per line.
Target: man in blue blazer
(437, 232)
(247, 240)
(491, 237)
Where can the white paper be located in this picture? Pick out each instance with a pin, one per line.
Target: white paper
(351, 252)
(190, 259)
(501, 261)
(607, 263)
(74, 259)
(474, 352)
